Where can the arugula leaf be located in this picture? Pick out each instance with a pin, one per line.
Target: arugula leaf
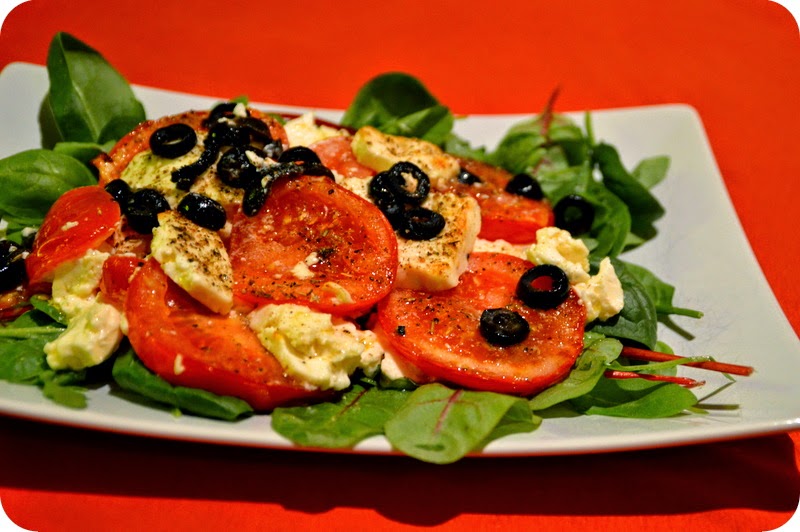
(130, 374)
(358, 414)
(399, 104)
(441, 425)
(635, 398)
(33, 180)
(651, 171)
(89, 100)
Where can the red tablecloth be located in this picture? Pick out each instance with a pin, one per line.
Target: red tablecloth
(736, 61)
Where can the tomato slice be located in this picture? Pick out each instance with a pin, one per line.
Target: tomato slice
(337, 154)
(188, 345)
(506, 216)
(439, 332)
(317, 244)
(118, 271)
(81, 219)
(112, 164)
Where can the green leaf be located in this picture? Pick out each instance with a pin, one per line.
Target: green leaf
(82, 151)
(440, 425)
(643, 206)
(130, 374)
(399, 104)
(638, 320)
(358, 414)
(660, 293)
(635, 398)
(32, 180)
(90, 101)
(651, 171)
(598, 353)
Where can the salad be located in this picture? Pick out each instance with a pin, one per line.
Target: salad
(378, 276)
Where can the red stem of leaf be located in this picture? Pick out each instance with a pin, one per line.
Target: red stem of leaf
(683, 381)
(655, 356)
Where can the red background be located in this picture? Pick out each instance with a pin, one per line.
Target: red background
(736, 61)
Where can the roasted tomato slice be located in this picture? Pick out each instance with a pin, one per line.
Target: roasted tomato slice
(111, 165)
(439, 332)
(504, 215)
(81, 219)
(317, 244)
(337, 154)
(187, 345)
(118, 271)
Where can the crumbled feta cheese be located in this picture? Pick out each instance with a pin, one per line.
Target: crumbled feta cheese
(602, 294)
(557, 247)
(312, 348)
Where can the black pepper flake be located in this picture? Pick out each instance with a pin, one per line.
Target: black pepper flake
(401, 330)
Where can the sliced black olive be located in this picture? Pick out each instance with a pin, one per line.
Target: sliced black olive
(574, 214)
(203, 211)
(398, 185)
(299, 154)
(549, 292)
(273, 149)
(223, 134)
(220, 111)
(468, 178)
(12, 265)
(258, 130)
(274, 171)
(173, 140)
(392, 209)
(119, 190)
(503, 327)
(236, 168)
(420, 223)
(254, 198)
(142, 210)
(525, 185)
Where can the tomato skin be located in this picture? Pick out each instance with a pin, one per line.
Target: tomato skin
(111, 165)
(81, 219)
(118, 270)
(217, 353)
(505, 216)
(355, 244)
(439, 332)
(336, 153)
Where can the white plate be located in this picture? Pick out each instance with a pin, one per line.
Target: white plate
(701, 249)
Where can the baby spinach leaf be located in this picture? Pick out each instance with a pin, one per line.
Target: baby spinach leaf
(598, 353)
(32, 180)
(45, 306)
(89, 99)
(660, 293)
(440, 425)
(399, 104)
(638, 320)
(643, 206)
(651, 171)
(130, 374)
(358, 414)
(635, 398)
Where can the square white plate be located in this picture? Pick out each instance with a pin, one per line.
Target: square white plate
(701, 249)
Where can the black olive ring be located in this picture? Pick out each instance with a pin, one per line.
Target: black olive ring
(546, 298)
(420, 223)
(203, 211)
(525, 185)
(173, 140)
(503, 327)
(574, 214)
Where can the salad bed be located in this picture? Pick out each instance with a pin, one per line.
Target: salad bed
(567, 161)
